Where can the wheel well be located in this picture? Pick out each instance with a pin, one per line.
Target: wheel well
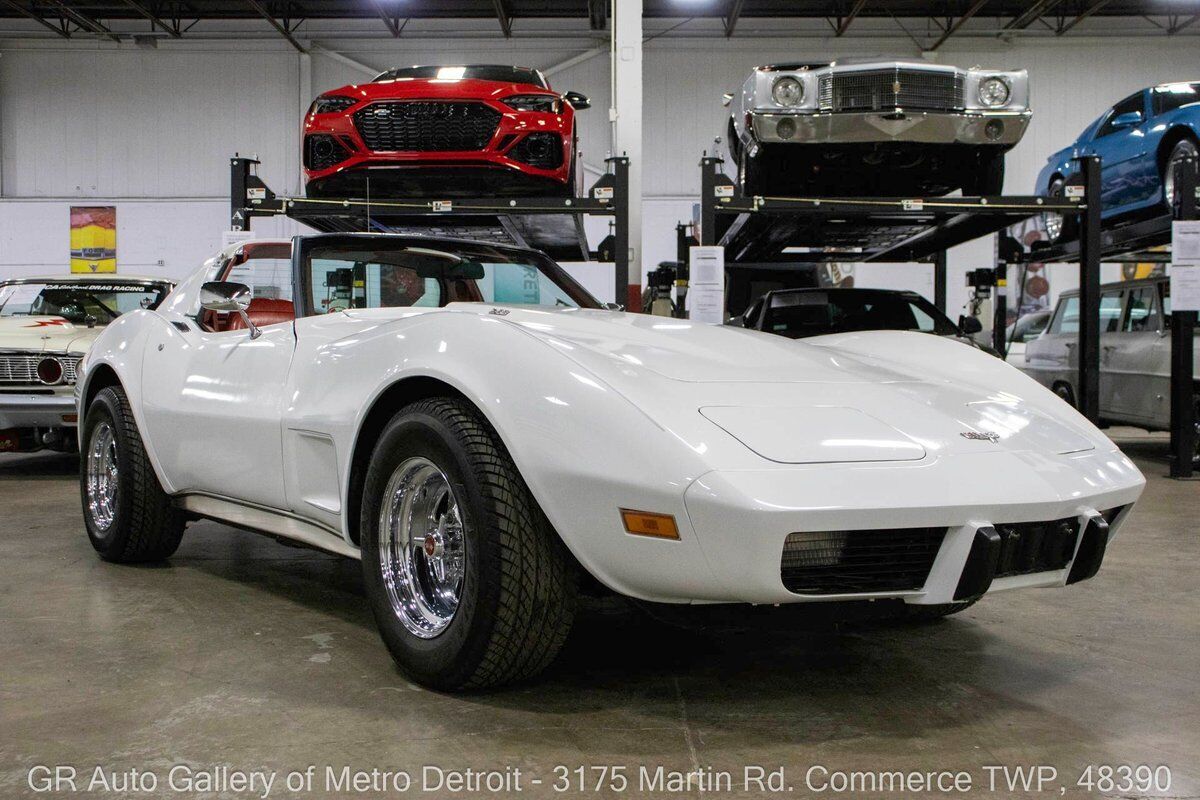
(1067, 385)
(1169, 140)
(102, 377)
(394, 398)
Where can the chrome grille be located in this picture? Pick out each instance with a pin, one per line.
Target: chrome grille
(887, 89)
(20, 369)
(426, 126)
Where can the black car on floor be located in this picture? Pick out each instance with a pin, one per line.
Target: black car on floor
(799, 313)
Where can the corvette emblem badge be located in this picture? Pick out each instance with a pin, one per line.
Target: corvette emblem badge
(980, 436)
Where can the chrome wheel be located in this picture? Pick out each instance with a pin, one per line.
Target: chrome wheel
(1184, 149)
(422, 548)
(102, 475)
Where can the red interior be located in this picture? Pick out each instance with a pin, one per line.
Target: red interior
(262, 311)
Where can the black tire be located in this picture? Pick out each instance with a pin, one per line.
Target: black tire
(1067, 224)
(1065, 393)
(517, 595)
(988, 178)
(144, 525)
(920, 614)
(1184, 148)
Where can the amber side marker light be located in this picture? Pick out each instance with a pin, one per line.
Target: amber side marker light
(644, 523)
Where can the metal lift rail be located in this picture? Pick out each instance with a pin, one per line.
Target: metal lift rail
(551, 224)
(764, 229)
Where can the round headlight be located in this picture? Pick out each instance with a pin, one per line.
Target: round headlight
(50, 371)
(993, 91)
(788, 92)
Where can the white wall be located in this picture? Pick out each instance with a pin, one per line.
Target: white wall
(95, 122)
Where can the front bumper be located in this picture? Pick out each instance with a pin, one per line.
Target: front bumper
(894, 125)
(740, 520)
(37, 411)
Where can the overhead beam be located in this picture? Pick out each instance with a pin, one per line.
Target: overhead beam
(172, 31)
(269, 17)
(83, 21)
(1087, 12)
(735, 11)
(1031, 15)
(1178, 26)
(392, 27)
(504, 17)
(958, 23)
(25, 12)
(844, 25)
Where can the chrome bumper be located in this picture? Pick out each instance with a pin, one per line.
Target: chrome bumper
(925, 127)
(37, 411)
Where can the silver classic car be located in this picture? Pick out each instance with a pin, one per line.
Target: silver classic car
(885, 128)
(1135, 352)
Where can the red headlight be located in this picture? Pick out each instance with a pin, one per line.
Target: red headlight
(50, 371)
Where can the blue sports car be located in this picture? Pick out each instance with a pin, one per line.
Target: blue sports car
(1139, 141)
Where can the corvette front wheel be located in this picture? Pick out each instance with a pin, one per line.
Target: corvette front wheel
(129, 518)
(468, 582)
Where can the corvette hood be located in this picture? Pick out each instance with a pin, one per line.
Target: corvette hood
(685, 351)
(45, 334)
(795, 402)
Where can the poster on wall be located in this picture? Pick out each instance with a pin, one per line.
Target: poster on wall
(93, 239)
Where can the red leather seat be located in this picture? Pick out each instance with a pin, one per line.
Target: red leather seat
(262, 312)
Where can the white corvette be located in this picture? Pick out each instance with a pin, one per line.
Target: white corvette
(469, 421)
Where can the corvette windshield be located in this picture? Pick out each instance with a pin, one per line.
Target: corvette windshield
(85, 303)
(480, 72)
(406, 274)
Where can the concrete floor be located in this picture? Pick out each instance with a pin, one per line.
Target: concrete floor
(243, 653)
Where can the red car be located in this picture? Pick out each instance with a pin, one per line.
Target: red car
(480, 130)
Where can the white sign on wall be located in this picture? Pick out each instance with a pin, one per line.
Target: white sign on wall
(706, 285)
(1185, 265)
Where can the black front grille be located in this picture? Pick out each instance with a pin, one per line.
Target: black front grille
(1029, 547)
(408, 126)
(322, 151)
(885, 89)
(541, 150)
(847, 562)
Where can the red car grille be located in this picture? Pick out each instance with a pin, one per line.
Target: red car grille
(408, 126)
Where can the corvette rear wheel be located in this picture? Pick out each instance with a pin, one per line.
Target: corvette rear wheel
(468, 582)
(129, 518)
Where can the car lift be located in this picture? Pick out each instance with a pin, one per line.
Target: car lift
(1131, 242)
(551, 224)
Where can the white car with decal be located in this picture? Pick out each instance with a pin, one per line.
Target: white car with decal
(46, 325)
(490, 441)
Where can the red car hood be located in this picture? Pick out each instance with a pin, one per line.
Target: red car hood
(437, 89)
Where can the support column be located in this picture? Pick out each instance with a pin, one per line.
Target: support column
(1183, 327)
(1088, 348)
(939, 281)
(626, 115)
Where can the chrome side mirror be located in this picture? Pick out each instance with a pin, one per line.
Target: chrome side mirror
(613, 307)
(726, 99)
(226, 297)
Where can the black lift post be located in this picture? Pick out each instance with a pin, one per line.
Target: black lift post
(1089, 290)
(551, 224)
(1183, 328)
